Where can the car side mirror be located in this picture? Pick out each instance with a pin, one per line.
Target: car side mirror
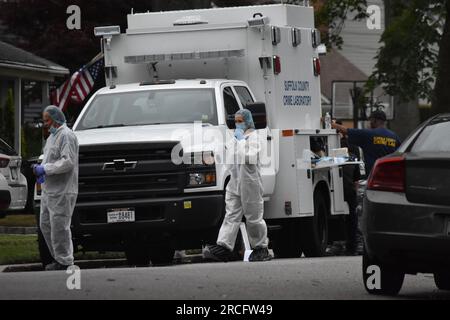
(258, 110)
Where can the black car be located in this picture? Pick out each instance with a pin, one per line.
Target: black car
(406, 211)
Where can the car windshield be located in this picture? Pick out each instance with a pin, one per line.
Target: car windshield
(150, 107)
(6, 149)
(434, 137)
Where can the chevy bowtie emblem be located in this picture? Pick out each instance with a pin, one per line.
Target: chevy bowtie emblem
(119, 165)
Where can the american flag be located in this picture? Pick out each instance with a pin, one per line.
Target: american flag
(79, 85)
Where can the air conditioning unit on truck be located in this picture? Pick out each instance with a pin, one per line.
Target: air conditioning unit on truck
(174, 73)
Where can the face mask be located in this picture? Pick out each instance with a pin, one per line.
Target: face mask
(52, 130)
(241, 126)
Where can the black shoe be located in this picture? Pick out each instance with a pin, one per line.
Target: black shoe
(217, 253)
(55, 266)
(260, 254)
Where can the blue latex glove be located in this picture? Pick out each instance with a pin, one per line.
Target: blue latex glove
(39, 170)
(239, 134)
(40, 179)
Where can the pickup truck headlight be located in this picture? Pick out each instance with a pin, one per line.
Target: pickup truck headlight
(201, 179)
(202, 158)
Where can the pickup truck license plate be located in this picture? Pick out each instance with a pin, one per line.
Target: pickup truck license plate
(121, 215)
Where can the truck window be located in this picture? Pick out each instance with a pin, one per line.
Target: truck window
(230, 103)
(151, 107)
(244, 95)
(6, 149)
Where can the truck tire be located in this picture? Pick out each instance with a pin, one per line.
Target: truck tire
(44, 252)
(137, 254)
(314, 230)
(442, 280)
(287, 242)
(391, 278)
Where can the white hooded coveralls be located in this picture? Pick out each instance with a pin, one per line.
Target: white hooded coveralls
(59, 193)
(244, 195)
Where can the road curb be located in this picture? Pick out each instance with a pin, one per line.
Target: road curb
(97, 264)
(18, 230)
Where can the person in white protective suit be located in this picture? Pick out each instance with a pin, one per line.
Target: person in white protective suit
(244, 195)
(59, 174)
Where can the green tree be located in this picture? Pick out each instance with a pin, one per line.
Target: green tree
(414, 61)
(40, 25)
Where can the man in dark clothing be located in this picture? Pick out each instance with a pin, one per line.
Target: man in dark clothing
(375, 142)
(351, 175)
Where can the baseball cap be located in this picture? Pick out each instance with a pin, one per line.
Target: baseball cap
(378, 114)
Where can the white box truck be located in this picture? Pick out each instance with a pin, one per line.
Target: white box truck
(174, 81)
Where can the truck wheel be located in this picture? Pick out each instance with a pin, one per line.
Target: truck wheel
(161, 254)
(137, 254)
(287, 242)
(44, 252)
(390, 281)
(442, 280)
(314, 230)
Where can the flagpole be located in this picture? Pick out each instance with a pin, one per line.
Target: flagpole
(94, 60)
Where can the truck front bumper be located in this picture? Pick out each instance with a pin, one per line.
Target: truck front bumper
(171, 214)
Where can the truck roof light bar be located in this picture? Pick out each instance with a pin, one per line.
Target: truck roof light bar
(233, 53)
(156, 82)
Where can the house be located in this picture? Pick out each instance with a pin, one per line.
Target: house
(25, 77)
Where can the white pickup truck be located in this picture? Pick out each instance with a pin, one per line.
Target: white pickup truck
(174, 81)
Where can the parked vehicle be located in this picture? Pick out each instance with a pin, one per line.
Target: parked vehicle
(5, 196)
(406, 210)
(134, 197)
(10, 164)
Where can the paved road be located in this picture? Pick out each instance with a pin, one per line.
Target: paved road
(318, 278)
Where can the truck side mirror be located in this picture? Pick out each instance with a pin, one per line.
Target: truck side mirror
(230, 121)
(258, 110)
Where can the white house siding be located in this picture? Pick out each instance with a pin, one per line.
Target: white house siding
(360, 43)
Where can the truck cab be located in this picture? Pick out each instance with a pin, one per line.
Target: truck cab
(129, 178)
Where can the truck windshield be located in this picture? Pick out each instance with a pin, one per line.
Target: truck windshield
(150, 107)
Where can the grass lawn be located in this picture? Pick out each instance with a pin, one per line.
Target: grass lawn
(18, 220)
(16, 249)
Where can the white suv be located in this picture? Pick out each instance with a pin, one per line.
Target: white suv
(10, 164)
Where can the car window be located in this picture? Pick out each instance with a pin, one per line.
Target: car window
(433, 137)
(244, 95)
(6, 149)
(407, 143)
